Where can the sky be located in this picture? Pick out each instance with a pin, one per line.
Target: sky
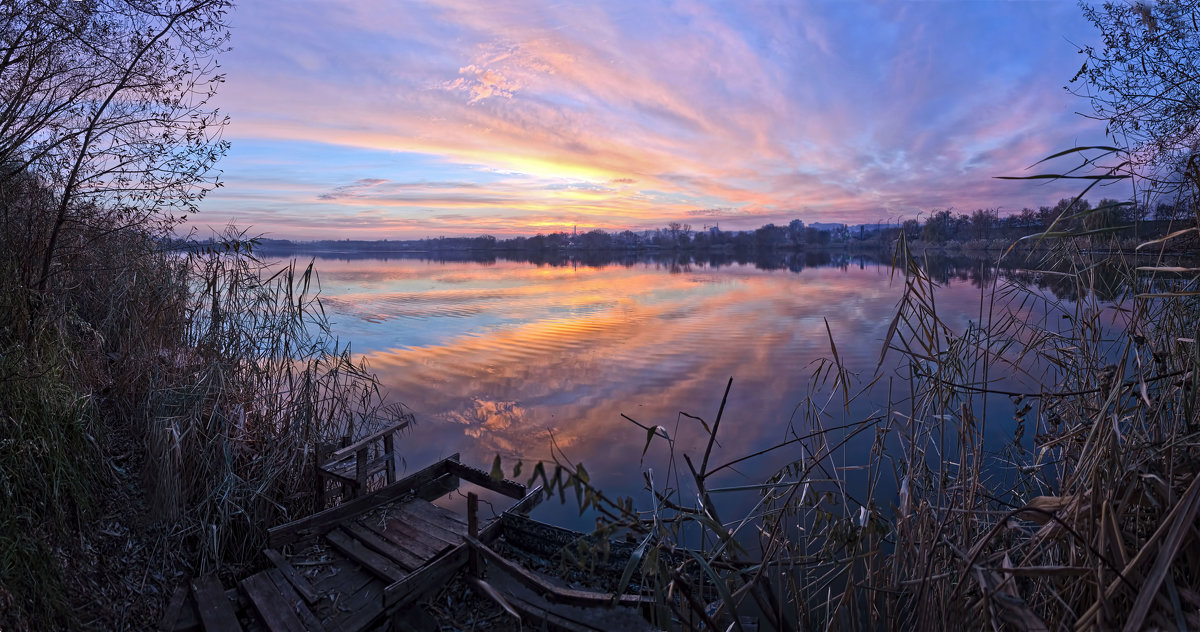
(373, 119)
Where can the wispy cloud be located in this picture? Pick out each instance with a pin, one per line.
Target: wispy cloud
(517, 115)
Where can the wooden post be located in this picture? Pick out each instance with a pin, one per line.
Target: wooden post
(360, 471)
(389, 451)
(345, 486)
(473, 531)
(322, 453)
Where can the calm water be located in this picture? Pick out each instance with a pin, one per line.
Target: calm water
(512, 358)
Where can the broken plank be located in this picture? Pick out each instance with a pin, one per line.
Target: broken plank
(216, 612)
(275, 612)
(323, 521)
(298, 581)
(288, 592)
(404, 557)
(379, 565)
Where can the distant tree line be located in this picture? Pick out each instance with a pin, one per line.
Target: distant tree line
(938, 227)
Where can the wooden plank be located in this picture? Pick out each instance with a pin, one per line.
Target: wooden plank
(298, 581)
(546, 615)
(389, 453)
(428, 531)
(431, 513)
(523, 506)
(379, 565)
(346, 471)
(409, 537)
(365, 441)
(438, 488)
(289, 594)
(407, 560)
(216, 612)
(541, 611)
(323, 521)
(399, 540)
(362, 610)
(438, 571)
(174, 607)
(512, 489)
(550, 541)
(554, 593)
(276, 613)
(425, 579)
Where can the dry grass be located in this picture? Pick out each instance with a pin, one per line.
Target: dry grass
(1084, 518)
(223, 366)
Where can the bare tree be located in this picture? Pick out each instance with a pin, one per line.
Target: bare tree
(1145, 84)
(105, 104)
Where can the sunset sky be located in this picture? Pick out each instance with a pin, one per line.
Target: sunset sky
(389, 119)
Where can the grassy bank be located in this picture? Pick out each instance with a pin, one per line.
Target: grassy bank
(162, 407)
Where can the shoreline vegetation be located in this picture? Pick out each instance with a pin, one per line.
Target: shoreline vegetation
(983, 231)
(160, 409)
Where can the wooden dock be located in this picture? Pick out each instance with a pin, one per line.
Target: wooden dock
(354, 566)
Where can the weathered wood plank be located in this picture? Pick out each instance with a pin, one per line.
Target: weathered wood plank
(361, 610)
(512, 489)
(425, 579)
(346, 471)
(405, 558)
(323, 521)
(400, 541)
(381, 566)
(420, 528)
(444, 519)
(540, 611)
(438, 571)
(523, 506)
(288, 592)
(179, 601)
(550, 541)
(556, 616)
(554, 593)
(216, 612)
(298, 581)
(365, 441)
(275, 612)
(407, 536)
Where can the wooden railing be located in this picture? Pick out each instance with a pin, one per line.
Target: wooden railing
(352, 465)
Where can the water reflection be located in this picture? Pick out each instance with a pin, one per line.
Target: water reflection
(514, 357)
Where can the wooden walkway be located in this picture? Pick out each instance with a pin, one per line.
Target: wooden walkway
(354, 566)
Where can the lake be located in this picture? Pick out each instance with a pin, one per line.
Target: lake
(528, 360)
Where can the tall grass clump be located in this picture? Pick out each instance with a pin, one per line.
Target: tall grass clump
(237, 407)
(1037, 467)
(216, 369)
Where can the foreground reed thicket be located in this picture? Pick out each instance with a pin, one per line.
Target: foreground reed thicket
(205, 370)
(1034, 468)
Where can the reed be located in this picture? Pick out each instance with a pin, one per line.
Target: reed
(219, 367)
(1078, 513)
